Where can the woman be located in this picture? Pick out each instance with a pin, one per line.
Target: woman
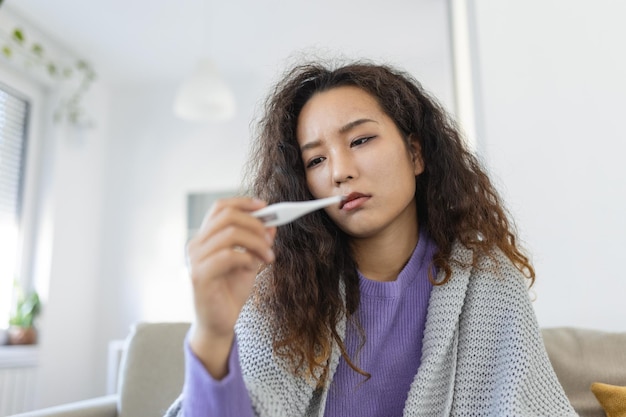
(408, 298)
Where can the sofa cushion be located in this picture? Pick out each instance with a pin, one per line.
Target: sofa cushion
(612, 398)
(581, 357)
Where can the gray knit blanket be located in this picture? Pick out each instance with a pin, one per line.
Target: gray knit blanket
(482, 354)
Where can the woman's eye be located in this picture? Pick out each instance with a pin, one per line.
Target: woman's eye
(314, 162)
(361, 141)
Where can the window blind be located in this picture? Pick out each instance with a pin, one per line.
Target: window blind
(13, 119)
(14, 112)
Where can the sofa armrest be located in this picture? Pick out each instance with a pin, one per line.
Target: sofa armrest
(96, 407)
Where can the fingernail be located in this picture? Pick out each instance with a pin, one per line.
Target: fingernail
(268, 238)
(270, 256)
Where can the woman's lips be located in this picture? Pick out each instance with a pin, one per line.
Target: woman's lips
(354, 201)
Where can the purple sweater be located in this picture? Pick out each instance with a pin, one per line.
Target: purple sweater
(393, 315)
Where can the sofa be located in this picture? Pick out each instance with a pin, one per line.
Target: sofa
(152, 371)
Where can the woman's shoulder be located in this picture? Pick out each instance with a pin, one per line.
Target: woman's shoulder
(491, 273)
(487, 264)
(496, 284)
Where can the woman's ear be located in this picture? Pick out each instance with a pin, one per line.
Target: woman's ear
(416, 154)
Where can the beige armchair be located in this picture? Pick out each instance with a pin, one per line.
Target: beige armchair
(152, 371)
(151, 377)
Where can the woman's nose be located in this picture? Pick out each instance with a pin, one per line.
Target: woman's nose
(343, 168)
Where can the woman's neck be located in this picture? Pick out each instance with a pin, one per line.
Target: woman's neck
(381, 258)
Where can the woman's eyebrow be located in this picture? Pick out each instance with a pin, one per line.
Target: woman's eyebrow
(310, 145)
(354, 124)
(346, 128)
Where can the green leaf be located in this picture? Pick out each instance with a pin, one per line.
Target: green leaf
(37, 49)
(18, 35)
(6, 51)
(52, 69)
(26, 311)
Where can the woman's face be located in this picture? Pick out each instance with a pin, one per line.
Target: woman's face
(350, 147)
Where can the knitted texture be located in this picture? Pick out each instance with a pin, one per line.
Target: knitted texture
(482, 354)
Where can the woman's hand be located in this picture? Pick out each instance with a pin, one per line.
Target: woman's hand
(224, 258)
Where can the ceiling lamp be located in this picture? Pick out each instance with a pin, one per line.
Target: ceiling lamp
(205, 96)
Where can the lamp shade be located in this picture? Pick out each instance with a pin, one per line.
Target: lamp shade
(204, 96)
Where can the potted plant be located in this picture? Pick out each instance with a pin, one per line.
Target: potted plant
(22, 329)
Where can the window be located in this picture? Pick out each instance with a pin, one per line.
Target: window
(14, 113)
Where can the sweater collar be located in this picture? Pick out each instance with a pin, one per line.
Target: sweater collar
(417, 266)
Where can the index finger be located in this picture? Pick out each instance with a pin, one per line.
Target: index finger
(240, 203)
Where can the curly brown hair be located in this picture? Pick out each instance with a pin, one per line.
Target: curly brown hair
(313, 282)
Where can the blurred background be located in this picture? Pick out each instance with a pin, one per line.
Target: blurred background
(538, 86)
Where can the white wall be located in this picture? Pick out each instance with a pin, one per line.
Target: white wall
(72, 211)
(551, 106)
(153, 160)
